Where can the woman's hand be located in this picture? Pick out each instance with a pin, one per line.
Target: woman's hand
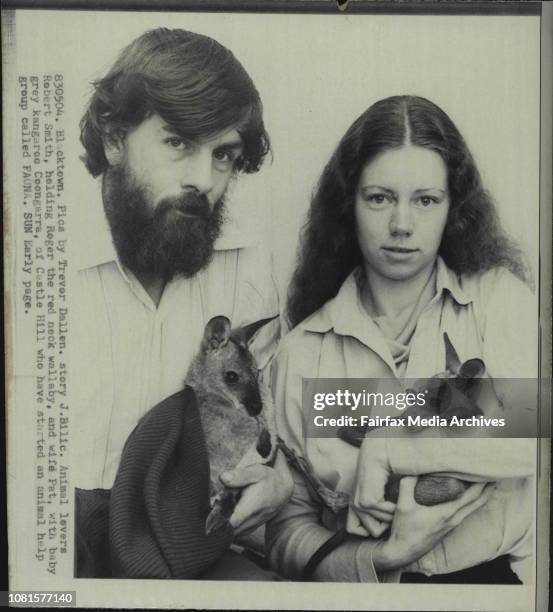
(377, 460)
(369, 514)
(373, 520)
(417, 529)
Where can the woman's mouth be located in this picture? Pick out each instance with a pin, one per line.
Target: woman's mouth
(399, 253)
(399, 249)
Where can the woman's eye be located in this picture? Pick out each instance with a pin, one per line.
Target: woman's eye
(427, 200)
(377, 198)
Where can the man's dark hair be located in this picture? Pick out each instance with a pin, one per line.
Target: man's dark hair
(191, 81)
(473, 240)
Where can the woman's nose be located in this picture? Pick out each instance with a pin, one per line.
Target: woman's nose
(198, 172)
(401, 220)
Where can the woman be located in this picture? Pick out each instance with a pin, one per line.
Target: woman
(403, 244)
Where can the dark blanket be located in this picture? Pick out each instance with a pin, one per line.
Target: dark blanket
(152, 523)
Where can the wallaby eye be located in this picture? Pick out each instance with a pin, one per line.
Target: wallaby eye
(231, 377)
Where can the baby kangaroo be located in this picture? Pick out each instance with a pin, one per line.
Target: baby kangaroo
(450, 393)
(237, 421)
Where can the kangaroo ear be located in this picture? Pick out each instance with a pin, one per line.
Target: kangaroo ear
(473, 368)
(452, 361)
(244, 334)
(469, 377)
(216, 334)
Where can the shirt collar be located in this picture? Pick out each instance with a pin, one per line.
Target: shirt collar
(95, 247)
(338, 310)
(345, 314)
(448, 279)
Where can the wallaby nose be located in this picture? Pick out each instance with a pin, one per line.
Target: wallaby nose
(253, 402)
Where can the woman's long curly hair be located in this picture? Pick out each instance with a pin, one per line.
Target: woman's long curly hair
(473, 240)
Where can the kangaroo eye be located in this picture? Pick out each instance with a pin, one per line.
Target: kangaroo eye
(231, 377)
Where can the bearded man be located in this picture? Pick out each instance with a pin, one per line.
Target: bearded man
(171, 124)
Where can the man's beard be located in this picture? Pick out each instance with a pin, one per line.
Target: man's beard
(159, 242)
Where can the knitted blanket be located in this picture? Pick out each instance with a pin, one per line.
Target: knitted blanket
(152, 522)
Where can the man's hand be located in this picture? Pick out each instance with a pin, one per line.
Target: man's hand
(267, 490)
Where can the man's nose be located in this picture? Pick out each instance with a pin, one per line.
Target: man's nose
(401, 221)
(198, 172)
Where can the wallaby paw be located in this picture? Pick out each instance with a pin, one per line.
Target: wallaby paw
(222, 508)
(215, 521)
(264, 444)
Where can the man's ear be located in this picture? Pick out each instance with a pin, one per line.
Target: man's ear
(114, 146)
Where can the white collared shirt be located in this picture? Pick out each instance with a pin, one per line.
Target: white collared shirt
(130, 355)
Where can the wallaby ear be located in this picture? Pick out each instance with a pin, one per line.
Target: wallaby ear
(472, 368)
(452, 361)
(244, 334)
(216, 333)
(470, 375)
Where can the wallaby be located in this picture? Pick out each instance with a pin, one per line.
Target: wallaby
(236, 414)
(449, 393)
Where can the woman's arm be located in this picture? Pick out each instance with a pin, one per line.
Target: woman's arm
(294, 536)
(296, 533)
(481, 459)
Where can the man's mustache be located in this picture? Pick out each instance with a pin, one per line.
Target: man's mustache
(193, 204)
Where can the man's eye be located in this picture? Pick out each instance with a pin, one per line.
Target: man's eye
(225, 157)
(224, 160)
(222, 156)
(175, 142)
